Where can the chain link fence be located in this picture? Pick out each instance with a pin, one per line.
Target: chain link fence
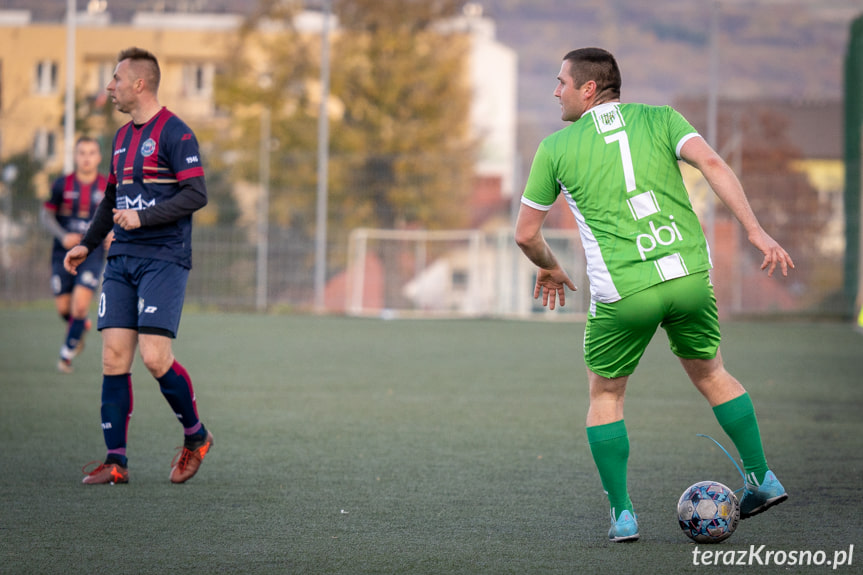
(225, 273)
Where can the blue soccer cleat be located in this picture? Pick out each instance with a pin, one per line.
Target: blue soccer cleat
(759, 498)
(624, 529)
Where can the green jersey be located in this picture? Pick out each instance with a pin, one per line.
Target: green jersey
(617, 167)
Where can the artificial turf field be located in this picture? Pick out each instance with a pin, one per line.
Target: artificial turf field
(358, 446)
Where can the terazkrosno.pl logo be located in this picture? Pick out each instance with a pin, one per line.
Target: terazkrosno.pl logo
(760, 555)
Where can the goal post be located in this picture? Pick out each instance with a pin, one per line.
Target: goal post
(453, 273)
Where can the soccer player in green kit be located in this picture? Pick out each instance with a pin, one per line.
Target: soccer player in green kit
(648, 263)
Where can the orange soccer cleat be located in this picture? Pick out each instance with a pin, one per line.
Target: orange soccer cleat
(105, 473)
(186, 463)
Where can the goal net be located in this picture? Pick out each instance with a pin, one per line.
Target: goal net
(454, 273)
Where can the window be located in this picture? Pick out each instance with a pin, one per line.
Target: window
(44, 145)
(104, 75)
(198, 80)
(46, 77)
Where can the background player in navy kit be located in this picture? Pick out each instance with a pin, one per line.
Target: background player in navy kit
(156, 183)
(67, 215)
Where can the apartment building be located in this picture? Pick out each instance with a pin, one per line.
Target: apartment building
(190, 47)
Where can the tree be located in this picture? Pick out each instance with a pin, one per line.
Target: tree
(273, 69)
(404, 133)
(95, 117)
(399, 110)
(22, 189)
(781, 195)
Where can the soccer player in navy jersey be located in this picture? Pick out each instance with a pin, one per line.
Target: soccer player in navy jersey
(66, 215)
(156, 182)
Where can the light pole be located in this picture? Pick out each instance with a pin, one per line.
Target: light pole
(712, 113)
(323, 165)
(10, 173)
(69, 120)
(263, 227)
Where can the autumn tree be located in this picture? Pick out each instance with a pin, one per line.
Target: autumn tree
(95, 117)
(404, 143)
(400, 154)
(782, 195)
(754, 137)
(271, 71)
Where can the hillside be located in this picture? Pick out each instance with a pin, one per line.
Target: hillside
(776, 49)
(792, 51)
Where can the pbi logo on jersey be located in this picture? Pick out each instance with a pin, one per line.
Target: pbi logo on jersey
(661, 235)
(148, 147)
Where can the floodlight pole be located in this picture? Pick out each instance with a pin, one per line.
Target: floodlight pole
(69, 120)
(263, 210)
(712, 113)
(323, 164)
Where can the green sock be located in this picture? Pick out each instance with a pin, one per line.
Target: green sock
(609, 445)
(737, 418)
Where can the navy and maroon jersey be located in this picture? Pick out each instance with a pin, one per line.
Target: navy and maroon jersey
(73, 204)
(149, 162)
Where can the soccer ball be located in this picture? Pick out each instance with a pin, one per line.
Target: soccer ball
(708, 512)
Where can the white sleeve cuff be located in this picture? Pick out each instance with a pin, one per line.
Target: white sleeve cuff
(535, 205)
(683, 140)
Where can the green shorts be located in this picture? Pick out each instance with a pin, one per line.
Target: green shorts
(617, 334)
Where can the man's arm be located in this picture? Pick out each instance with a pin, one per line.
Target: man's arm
(100, 226)
(528, 236)
(725, 184)
(103, 220)
(550, 277)
(50, 223)
(191, 198)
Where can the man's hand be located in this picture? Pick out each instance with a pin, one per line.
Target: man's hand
(127, 219)
(551, 283)
(774, 254)
(74, 258)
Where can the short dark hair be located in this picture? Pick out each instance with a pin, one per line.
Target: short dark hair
(87, 140)
(598, 65)
(154, 75)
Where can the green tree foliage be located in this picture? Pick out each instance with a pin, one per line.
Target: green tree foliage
(400, 153)
(271, 68)
(22, 189)
(96, 117)
(404, 134)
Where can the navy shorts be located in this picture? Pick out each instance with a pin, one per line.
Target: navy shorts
(62, 282)
(142, 294)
